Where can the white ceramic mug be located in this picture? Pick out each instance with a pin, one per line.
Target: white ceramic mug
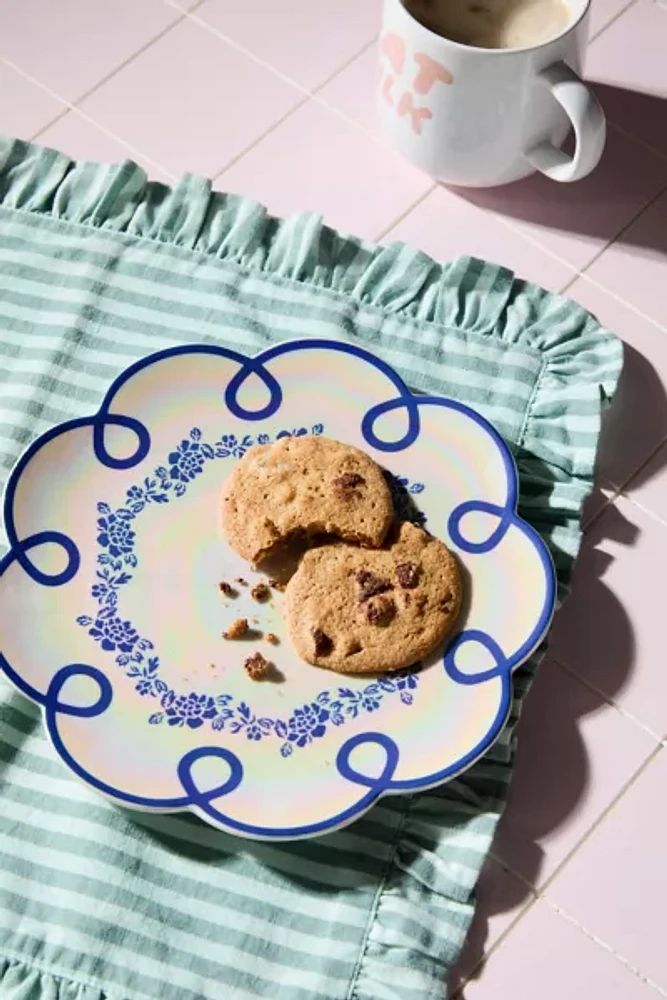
(480, 117)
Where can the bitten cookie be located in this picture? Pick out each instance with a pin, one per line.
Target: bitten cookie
(359, 611)
(302, 487)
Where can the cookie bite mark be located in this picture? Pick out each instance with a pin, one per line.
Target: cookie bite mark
(304, 488)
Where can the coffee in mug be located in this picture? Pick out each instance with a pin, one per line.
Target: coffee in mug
(483, 92)
(493, 24)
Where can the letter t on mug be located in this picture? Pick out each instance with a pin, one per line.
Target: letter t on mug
(479, 93)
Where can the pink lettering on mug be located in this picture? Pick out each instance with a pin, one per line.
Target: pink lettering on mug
(417, 115)
(387, 84)
(393, 47)
(430, 72)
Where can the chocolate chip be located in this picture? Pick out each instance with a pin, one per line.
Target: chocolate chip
(372, 585)
(421, 604)
(226, 589)
(446, 602)
(323, 643)
(408, 574)
(347, 485)
(257, 668)
(381, 611)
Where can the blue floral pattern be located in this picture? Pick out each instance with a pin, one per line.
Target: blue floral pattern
(134, 654)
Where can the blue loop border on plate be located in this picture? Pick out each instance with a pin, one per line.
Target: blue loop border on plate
(194, 797)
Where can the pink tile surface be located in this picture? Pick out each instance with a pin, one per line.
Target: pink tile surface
(72, 44)
(352, 91)
(628, 64)
(603, 12)
(610, 631)
(546, 957)
(306, 39)
(617, 884)
(575, 753)
(24, 107)
(500, 899)
(445, 225)
(637, 422)
(649, 487)
(576, 221)
(82, 140)
(191, 102)
(636, 264)
(301, 166)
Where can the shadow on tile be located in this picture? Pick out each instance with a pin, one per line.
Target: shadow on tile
(562, 777)
(601, 205)
(635, 424)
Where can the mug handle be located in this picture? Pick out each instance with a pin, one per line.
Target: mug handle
(584, 111)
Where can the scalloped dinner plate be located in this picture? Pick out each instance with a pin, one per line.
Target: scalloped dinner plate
(111, 615)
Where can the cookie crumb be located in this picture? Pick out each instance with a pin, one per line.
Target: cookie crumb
(226, 589)
(257, 667)
(272, 638)
(372, 585)
(237, 629)
(241, 582)
(347, 485)
(277, 585)
(407, 575)
(381, 611)
(260, 592)
(323, 643)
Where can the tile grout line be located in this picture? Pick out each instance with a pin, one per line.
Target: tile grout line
(539, 893)
(647, 510)
(156, 38)
(606, 699)
(288, 114)
(82, 114)
(564, 915)
(290, 81)
(404, 214)
(618, 235)
(479, 965)
(619, 491)
(594, 37)
(543, 888)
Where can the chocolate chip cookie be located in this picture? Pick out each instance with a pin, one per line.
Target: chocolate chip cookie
(359, 611)
(304, 487)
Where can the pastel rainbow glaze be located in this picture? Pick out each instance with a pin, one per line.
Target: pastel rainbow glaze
(141, 697)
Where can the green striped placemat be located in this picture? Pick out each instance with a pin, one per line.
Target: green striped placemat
(99, 268)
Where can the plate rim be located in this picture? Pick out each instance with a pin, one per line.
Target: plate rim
(406, 786)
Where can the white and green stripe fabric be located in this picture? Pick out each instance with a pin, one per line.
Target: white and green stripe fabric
(97, 269)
